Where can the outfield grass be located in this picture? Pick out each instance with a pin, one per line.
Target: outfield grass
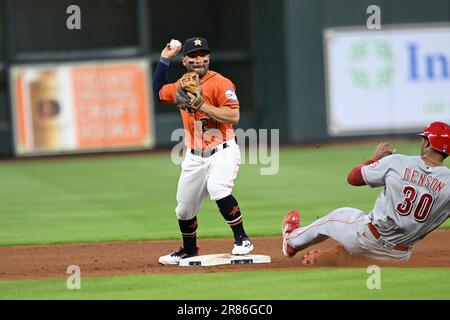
(131, 198)
(128, 198)
(287, 285)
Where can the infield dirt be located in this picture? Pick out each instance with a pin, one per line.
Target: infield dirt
(141, 257)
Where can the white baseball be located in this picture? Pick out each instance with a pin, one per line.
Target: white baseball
(174, 44)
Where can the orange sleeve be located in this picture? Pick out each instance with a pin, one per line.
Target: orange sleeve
(168, 93)
(226, 95)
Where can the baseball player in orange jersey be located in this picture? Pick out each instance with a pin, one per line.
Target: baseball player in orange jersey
(414, 202)
(212, 157)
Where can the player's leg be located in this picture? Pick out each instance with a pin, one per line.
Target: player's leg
(223, 171)
(341, 225)
(190, 194)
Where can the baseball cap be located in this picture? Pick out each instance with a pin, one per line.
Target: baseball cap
(195, 44)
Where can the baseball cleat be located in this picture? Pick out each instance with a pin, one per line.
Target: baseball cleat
(291, 222)
(175, 257)
(242, 247)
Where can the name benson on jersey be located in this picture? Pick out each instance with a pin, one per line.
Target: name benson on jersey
(423, 180)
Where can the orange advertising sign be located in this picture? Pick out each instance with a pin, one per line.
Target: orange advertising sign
(82, 107)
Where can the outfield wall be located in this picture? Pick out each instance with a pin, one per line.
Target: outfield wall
(273, 50)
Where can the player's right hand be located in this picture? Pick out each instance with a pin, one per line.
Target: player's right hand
(382, 150)
(170, 53)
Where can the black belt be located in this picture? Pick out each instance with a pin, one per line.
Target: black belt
(209, 152)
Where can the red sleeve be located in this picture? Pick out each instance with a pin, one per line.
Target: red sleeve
(355, 177)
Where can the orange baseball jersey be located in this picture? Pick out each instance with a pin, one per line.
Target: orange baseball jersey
(201, 131)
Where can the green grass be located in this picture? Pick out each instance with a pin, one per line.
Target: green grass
(131, 198)
(289, 285)
(125, 198)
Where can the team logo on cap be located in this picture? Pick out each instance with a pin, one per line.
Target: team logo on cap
(231, 95)
(197, 42)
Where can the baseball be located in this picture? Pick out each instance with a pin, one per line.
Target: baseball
(174, 44)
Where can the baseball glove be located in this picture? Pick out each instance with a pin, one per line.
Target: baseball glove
(189, 94)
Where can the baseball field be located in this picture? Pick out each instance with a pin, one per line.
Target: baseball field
(113, 216)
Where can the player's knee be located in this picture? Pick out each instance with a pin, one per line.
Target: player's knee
(185, 211)
(344, 210)
(218, 191)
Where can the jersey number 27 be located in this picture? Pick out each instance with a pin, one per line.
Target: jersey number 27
(421, 210)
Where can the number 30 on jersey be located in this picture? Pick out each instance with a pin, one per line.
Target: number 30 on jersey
(421, 207)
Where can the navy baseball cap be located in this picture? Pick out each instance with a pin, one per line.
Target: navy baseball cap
(195, 44)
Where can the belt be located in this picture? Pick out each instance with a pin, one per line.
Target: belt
(398, 247)
(209, 152)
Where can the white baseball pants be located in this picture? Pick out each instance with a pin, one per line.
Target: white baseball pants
(348, 226)
(200, 176)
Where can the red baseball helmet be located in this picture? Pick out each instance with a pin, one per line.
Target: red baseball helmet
(438, 133)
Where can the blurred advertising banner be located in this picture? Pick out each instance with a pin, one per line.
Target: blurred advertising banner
(393, 80)
(82, 107)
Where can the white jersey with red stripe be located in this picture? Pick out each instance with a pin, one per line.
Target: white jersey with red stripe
(415, 199)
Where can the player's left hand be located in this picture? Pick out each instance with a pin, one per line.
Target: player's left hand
(382, 150)
(189, 96)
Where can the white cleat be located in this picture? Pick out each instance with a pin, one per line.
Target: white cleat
(175, 257)
(243, 247)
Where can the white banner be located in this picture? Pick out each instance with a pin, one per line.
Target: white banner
(387, 81)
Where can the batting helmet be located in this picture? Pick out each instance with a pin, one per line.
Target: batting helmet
(438, 134)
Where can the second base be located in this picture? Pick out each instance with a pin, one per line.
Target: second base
(223, 258)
